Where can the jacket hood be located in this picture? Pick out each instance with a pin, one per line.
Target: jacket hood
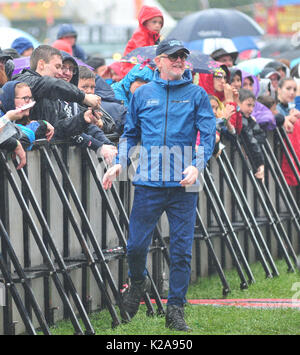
(122, 88)
(262, 114)
(66, 29)
(104, 90)
(234, 71)
(7, 97)
(255, 82)
(148, 12)
(20, 44)
(67, 56)
(137, 72)
(207, 82)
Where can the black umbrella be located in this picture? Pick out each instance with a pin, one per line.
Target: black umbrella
(215, 23)
(196, 61)
(275, 47)
(289, 55)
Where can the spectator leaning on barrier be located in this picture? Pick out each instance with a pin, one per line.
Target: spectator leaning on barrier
(11, 137)
(17, 95)
(252, 135)
(47, 87)
(93, 137)
(263, 116)
(287, 91)
(167, 114)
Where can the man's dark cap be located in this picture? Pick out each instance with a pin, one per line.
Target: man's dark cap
(170, 46)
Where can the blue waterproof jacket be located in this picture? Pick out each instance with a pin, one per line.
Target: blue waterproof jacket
(164, 117)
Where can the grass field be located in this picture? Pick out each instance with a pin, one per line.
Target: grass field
(212, 320)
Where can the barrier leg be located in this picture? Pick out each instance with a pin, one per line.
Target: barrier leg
(13, 290)
(229, 226)
(249, 212)
(245, 218)
(235, 259)
(90, 232)
(90, 258)
(206, 237)
(59, 259)
(116, 223)
(265, 207)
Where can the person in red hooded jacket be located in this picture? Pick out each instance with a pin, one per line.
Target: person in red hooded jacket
(216, 84)
(151, 21)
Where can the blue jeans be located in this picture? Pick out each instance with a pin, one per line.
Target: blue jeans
(148, 205)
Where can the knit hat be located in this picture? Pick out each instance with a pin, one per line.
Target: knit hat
(21, 44)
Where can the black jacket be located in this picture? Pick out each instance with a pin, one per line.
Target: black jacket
(47, 93)
(253, 136)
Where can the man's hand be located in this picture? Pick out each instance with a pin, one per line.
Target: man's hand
(288, 125)
(260, 173)
(50, 132)
(108, 152)
(20, 153)
(93, 117)
(191, 173)
(111, 175)
(16, 114)
(92, 100)
(228, 93)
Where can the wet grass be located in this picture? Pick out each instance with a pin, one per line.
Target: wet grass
(205, 320)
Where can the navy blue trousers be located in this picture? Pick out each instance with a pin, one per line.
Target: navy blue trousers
(148, 205)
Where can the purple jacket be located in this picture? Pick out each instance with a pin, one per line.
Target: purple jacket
(263, 115)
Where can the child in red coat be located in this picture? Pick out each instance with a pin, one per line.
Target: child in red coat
(151, 21)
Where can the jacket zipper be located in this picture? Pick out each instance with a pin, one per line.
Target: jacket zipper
(165, 136)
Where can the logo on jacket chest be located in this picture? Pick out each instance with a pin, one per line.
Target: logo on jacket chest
(152, 102)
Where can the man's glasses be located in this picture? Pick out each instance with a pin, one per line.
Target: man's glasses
(72, 70)
(173, 57)
(27, 99)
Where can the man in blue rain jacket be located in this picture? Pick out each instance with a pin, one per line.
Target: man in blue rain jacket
(164, 116)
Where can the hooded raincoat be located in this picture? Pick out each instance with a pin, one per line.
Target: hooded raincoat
(142, 37)
(24, 134)
(264, 116)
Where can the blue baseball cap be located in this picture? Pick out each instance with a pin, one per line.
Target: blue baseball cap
(170, 46)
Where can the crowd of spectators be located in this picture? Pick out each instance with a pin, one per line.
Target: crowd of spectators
(60, 95)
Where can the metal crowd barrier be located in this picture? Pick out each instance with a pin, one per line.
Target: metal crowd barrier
(63, 237)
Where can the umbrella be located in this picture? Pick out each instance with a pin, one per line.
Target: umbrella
(24, 63)
(212, 23)
(289, 54)
(9, 34)
(274, 48)
(196, 61)
(254, 66)
(218, 23)
(209, 45)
